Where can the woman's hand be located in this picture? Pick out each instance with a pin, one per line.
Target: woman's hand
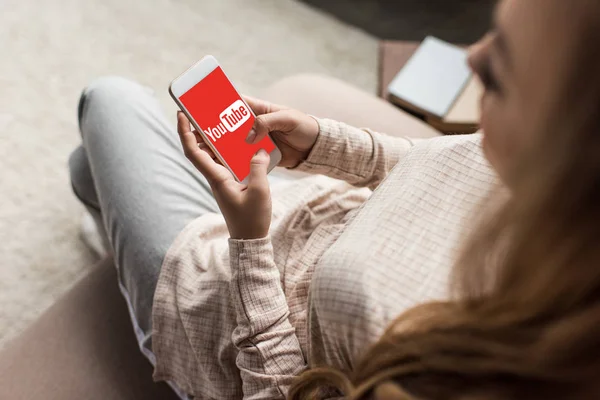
(294, 132)
(247, 209)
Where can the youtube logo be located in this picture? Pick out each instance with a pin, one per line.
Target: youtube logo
(231, 118)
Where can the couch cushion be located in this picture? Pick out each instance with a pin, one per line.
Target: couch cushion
(83, 347)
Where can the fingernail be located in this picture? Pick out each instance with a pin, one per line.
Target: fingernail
(261, 152)
(251, 136)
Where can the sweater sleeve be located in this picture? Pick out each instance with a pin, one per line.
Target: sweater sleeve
(269, 352)
(360, 157)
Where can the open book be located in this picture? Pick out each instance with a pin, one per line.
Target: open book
(437, 84)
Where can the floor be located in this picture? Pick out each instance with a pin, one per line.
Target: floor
(52, 48)
(458, 21)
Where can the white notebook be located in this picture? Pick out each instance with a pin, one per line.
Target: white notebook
(433, 78)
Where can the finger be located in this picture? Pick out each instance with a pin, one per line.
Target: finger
(207, 150)
(259, 106)
(259, 165)
(210, 168)
(186, 136)
(199, 137)
(203, 145)
(283, 121)
(183, 123)
(212, 171)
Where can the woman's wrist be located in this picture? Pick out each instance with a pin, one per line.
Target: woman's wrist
(248, 235)
(313, 132)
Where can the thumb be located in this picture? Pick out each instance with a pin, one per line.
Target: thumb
(259, 165)
(282, 120)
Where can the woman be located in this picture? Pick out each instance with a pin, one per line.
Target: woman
(526, 324)
(312, 274)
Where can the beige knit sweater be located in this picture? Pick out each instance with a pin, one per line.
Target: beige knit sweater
(240, 318)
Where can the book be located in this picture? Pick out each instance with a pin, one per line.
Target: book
(437, 84)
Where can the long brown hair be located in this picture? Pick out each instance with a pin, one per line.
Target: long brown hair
(529, 328)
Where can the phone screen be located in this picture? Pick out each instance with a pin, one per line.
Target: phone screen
(226, 119)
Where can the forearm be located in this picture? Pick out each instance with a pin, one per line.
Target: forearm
(360, 157)
(269, 352)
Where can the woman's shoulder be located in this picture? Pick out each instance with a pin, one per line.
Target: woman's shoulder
(446, 151)
(471, 141)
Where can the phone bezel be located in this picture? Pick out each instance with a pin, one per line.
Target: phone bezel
(190, 78)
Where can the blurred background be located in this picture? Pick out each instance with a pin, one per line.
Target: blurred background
(458, 21)
(51, 49)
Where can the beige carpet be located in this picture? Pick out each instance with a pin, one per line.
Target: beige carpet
(52, 48)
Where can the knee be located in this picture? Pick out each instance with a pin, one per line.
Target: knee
(111, 85)
(108, 90)
(81, 178)
(78, 164)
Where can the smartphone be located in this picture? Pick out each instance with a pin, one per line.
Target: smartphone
(221, 116)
